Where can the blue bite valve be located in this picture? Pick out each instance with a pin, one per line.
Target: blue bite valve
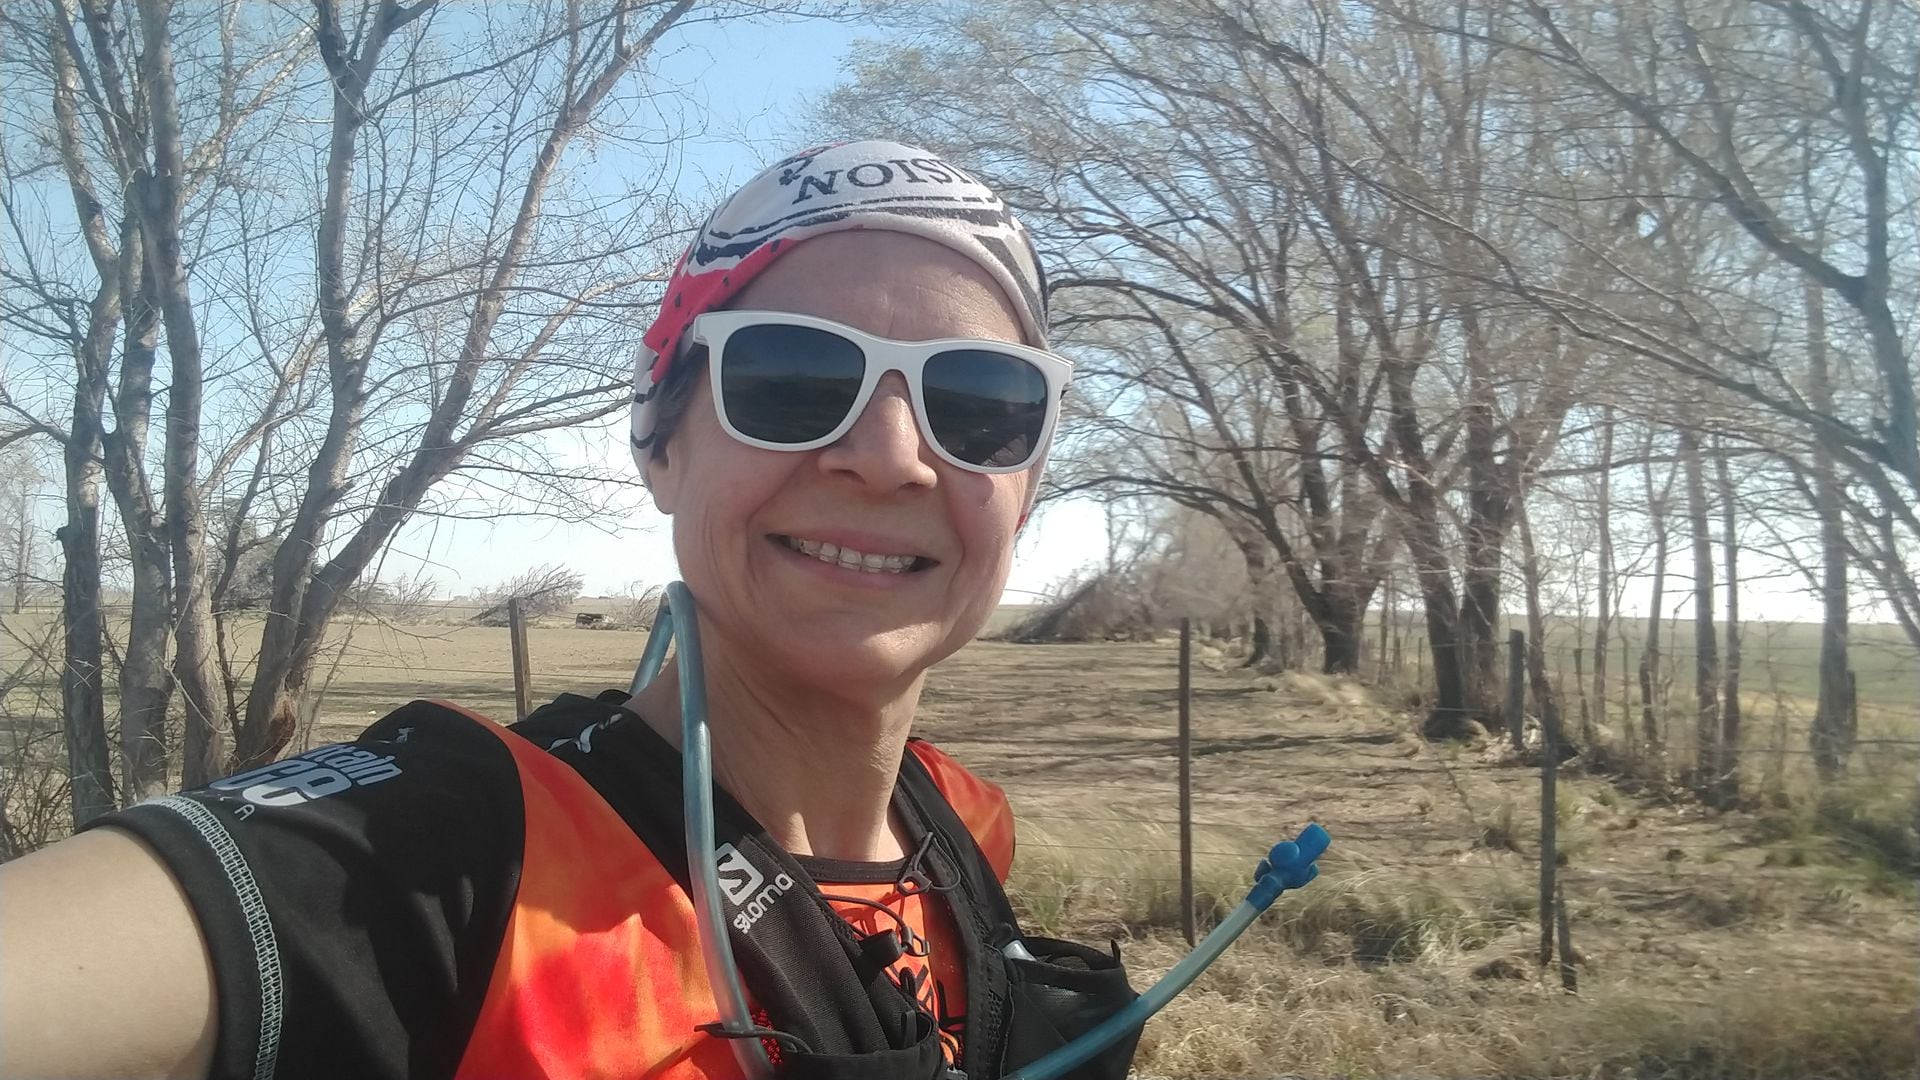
(1289, 865)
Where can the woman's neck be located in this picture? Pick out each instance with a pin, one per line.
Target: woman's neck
(817, 771)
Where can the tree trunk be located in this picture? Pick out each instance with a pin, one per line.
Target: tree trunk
(1545, 697)
(1297, 630)
(1483, 533)
(1386, 625)
(1832, 735)
(1390, 615)
(1650, 651)
(146, 685)
(1706, 647)
(1605, 590)
(81, 692)
(1479, 622)
(1341, 641)
(23, 552)
(1284, 656)
(1729, 790)
(1262, 587)
(1450, 717)
(82, 697)
(1453, 712)
(1259, 642)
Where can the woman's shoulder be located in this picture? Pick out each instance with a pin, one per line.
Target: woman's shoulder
(360, 885)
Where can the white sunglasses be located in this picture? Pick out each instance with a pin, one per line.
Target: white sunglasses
(783, 381)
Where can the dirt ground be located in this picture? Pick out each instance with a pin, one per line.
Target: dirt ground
(1703, 951)
(1672, 904)
(1710, 945)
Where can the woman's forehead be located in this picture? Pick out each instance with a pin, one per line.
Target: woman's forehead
(892, 284)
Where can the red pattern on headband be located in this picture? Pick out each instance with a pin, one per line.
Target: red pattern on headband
(689, 295)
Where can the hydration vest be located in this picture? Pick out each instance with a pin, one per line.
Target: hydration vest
(600, 972)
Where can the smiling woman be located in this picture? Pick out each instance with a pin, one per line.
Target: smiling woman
(844, 406)
(875, 489)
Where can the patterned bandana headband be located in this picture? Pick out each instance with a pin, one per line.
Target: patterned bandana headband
(873, 184)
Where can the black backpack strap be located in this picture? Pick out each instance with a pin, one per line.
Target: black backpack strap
(803, 964)
(1018, 1010)
(959, 870)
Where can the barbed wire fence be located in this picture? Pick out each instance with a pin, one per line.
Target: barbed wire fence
(1092, 845)
(369, 667)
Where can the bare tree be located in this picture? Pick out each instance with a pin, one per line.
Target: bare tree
(1650, 648)
(1788, 123)
(1706, 652)
(1226, 191)
(1545, 696)
(1727, 788)
(411, 324)
(20, 481)
(1603, 592)
(543, 590)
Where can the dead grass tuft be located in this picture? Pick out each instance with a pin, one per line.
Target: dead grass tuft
(1375, 917)
(1265, 1009)
(1863, 831)
(1755, 901)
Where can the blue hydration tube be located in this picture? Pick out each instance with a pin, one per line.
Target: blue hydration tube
(675, 618)
(1289, 865)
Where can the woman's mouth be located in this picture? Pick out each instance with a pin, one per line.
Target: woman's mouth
(846, 558)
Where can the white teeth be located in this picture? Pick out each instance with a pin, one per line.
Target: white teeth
(849, 559)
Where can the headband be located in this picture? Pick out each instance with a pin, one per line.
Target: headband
(872, 184)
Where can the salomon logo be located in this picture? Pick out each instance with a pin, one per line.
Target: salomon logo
(315, 774)
(738, 877)
(742, 882)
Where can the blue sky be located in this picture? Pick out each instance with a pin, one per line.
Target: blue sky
(746, 86)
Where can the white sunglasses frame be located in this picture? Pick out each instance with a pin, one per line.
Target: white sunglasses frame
(882, 355)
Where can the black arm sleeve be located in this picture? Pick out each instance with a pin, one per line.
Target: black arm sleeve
(353, 897)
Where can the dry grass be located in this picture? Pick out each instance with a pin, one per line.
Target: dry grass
(1376, 974)
(1772, 943)
(1698, 957)
(1266, 1009)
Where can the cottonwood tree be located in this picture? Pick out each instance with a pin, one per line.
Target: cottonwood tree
(1793, 123)
(1177, 268)
(353, 256)
(1232, 185)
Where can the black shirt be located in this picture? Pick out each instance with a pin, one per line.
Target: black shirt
(354, 897)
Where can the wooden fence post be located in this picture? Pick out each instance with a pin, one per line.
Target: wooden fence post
(1516, 687)
(1186, 781)
(1569, 979)
(522, 673)
(1549, 856)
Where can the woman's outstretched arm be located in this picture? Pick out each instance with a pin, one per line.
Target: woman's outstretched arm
(104, 971)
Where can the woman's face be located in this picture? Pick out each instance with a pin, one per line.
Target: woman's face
(739, 513)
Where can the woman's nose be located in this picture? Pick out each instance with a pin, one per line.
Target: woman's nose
(884, 449)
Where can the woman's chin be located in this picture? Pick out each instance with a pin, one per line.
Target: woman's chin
(857, 663)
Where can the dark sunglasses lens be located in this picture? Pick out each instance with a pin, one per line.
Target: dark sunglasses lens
(788, 384)
(986, 408)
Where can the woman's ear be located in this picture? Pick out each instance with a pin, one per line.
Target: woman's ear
(660, 479)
